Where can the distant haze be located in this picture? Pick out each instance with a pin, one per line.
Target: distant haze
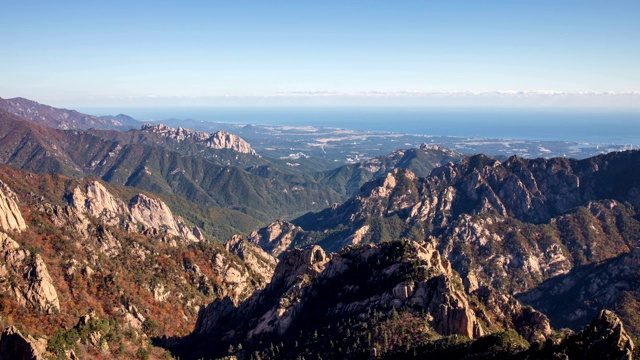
(547, 53)
(603, 126)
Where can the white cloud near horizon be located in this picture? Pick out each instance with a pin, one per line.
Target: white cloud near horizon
(461, 93)
(372, 98)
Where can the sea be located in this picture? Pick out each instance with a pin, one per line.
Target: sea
(621, 127)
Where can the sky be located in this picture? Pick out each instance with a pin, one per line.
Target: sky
(450, 53)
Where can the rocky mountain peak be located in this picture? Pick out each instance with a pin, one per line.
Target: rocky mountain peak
(606, 335)
(97, 201)
(217, 140)
(258, 260)
(41, 291)
(153, 215)
(298, 262)
(429, 147)
(275, 238)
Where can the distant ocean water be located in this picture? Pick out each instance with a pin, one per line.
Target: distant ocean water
(594, 126)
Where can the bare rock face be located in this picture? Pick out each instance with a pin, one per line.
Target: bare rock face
(11, 252)
(253, 256)
(159, 293)
(224, 140)
(357, 236)
(505, 311)
(98, 202)
(10, 216)
(217, 140)
(298, 262)
(155, 214)
(132, 316)
(36, 286)
(16, 347)
(152, 215)
(235, 278)
(66, 216)
(41, 290)
(275, 238)
(451, 311)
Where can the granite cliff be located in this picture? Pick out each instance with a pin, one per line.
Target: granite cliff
(218, 140)
(70, 248)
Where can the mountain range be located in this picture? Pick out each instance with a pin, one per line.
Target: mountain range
(225, 173)
(64, 119)
(127, 240)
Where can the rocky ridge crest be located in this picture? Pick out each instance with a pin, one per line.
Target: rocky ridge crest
(259, 261)
(311, 289)
(494, 218)
(275, 238)
(61, 118)
(217, 140)
(152, 215)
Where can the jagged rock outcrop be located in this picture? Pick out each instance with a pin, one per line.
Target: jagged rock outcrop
(98, 202)
(352, 283)
(152, 215)
(275, 238)
(32, 283)
(606, 338)
(41, 290)
(609, 285)
(507, 312)
(235, 280)
(133, 317)
(533, 218)
(256, 259)
(10, 217)
(14, 346)
(217, 140)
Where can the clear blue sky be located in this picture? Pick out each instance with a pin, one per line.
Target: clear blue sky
(139, 53)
